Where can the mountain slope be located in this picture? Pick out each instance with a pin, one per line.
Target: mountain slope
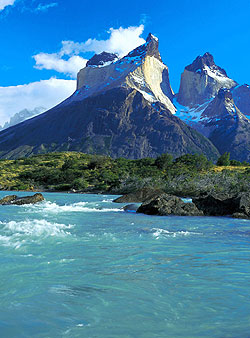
(227, 127)
(119, 122)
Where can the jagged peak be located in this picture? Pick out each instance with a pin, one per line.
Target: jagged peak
(149, 48)
(151, 37)
(204, 62)
(102, 59)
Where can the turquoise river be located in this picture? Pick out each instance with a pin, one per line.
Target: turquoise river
(78, 266)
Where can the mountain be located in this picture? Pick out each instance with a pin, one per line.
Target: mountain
(22, 116)
(122, 107)
(202, 80)
(216, 106)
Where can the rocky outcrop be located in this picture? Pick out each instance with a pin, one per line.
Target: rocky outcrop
(223, 205)
(237, 206)
(13, 199)
(139, 196)
(164, 205)
(201, 81)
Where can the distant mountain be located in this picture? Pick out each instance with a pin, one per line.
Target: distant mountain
(22, 116)
(216, 106)
(122, 107)
(241, 96)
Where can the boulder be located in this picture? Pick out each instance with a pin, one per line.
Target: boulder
(165, 204)
(130, 208)
(213, 204)
(13, 199)
(8, 199)
(139, 196)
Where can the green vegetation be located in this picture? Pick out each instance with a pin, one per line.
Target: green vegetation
(187, 175)
(224, 160)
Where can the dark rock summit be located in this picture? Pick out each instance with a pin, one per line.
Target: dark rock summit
(150, 48)
(200, 63)
(13, 199)
(101, 59)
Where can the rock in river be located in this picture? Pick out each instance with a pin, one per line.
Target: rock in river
(13, 199)
(237, 205)
(165, 204)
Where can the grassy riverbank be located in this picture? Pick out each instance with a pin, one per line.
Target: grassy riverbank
(188, 175)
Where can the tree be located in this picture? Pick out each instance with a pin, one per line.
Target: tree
(224, 160)
(164, 161)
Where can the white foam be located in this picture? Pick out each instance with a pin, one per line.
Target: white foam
(35, 228)
(158, 232)
(50, 207)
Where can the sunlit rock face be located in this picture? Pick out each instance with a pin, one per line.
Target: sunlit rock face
(142, 69)
(202, 80)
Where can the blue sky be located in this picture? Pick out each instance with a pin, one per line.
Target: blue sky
(32, 31)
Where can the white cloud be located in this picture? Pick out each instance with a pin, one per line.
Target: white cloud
(5, 3)
(120, 41)
(45, 93)
(54, 62)
(45, 7)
